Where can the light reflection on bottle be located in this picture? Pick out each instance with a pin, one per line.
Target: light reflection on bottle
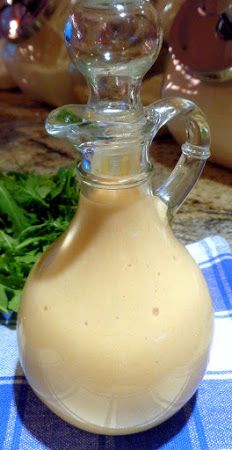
(13, 28)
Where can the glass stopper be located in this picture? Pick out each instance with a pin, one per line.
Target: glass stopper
(113, 43)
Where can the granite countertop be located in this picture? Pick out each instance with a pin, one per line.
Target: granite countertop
(24, 145)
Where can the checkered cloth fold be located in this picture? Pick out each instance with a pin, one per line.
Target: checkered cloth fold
(204, 423)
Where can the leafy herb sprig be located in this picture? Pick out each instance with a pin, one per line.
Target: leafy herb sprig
(34, 211)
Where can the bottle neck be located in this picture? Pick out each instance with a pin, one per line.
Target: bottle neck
(114, 198)
(114, 144)
(118, 166)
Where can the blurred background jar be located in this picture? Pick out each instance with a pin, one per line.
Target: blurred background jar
(35, 58)
(199, 64)
(6, 81)
(34, 53)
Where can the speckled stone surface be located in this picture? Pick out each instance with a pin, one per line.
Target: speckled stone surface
(24, 145)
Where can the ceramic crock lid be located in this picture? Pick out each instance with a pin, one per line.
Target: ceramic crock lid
(201, 38)
(20, 19)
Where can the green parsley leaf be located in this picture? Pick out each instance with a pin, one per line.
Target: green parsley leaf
(34, 211)
(66, 116)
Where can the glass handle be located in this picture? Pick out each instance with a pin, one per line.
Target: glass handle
(195, 151)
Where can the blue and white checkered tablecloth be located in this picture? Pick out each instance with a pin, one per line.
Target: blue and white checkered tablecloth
(204, 423)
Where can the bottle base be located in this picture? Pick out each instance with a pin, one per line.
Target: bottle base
(115, 431)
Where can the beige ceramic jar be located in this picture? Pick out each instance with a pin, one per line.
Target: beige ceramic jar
(6, 81)
(38, 61)
(199, 66)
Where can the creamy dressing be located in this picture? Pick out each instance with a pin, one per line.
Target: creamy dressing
(116, 318)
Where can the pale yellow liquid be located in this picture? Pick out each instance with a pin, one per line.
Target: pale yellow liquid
(116, 318)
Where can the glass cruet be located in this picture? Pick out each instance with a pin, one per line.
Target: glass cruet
(116, 320)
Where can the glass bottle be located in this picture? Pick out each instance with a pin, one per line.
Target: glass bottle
(116, 319)
(199, 66)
